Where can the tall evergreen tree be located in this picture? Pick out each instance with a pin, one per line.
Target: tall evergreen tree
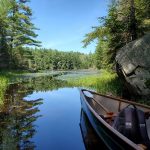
(5, 6)
(126, 21)
(21, 28)
(16, 28)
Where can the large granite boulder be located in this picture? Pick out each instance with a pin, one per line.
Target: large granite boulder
(133, 65)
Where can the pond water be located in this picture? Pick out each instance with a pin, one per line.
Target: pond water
(58, 127)
(44, 113)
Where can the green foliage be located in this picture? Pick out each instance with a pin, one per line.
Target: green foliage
(48, 59)
(16, 29)
(99, 32)
(126, 21)
(105, 83)
(3, 87)
(5, 5)
(101, 55)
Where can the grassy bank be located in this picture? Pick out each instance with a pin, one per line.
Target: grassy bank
(3, 86)
(5, 77)
(105, 83)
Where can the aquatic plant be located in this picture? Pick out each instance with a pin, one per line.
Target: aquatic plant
(3, 87)
(105, 83)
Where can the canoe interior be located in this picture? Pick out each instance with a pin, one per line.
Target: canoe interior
(113, 105)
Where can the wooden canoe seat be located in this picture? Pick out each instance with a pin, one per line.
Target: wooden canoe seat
(109, 117)
(142, 146)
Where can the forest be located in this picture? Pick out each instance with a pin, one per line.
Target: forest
(17, 32)
(34, 60)
(40, 88)
(126, 21)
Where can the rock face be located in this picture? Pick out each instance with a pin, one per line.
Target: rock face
(133, 65)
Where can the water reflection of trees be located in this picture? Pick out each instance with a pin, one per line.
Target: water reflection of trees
(44, 83)
(17, 117)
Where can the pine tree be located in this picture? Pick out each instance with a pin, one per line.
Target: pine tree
(21, 28)
(126, 21)
(5, 7)
(16, 29)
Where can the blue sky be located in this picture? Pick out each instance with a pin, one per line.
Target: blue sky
(64, 23)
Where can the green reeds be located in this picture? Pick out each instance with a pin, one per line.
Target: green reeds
(3, 87)
(105, 83)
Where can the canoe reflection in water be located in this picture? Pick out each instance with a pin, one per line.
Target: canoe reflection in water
(90, 138)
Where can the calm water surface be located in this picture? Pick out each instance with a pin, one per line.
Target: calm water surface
(44, 114)
(58, 128)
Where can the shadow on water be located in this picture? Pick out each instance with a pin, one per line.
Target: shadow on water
(90, 138)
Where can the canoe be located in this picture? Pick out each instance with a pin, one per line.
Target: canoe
(102, 111)
(90, 138)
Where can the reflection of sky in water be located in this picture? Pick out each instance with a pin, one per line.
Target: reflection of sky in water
(58, 128)
(54, 122)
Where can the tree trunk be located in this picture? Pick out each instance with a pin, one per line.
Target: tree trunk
(133, 25)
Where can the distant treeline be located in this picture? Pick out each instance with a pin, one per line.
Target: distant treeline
(126, 21)
(48, 59)
(17, 32)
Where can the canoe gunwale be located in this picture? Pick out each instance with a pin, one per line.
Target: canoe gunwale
(118, 99)
(125, 139)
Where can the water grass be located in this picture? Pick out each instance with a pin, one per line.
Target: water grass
(3, 86)
(105, 83)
